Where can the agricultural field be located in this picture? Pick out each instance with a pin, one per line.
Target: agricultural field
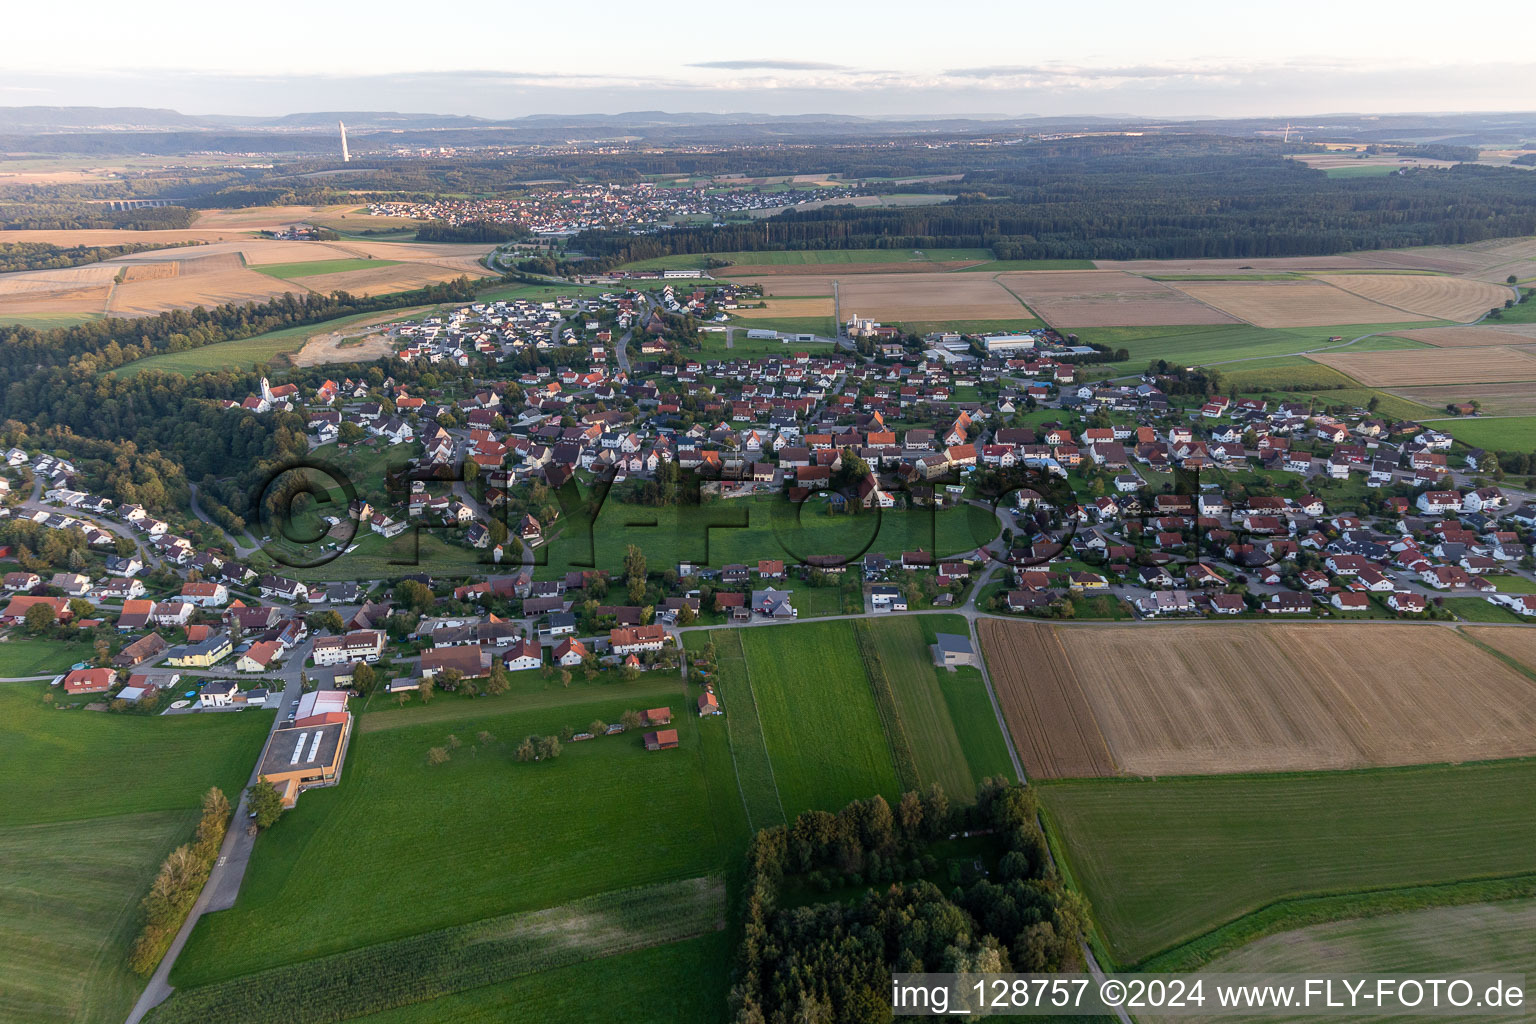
(819, 719)
(903, 662)
(1052, 725)
(1509, 433)
(79, 846)
(1308, 303)
(1335, 696)
(288, 271)
(1163, 862)
(914, 296)
(660, 985)
(1426, 367)
(422, 968)
(1484, 334)
(743, 727)
(228, 267)
(479, 836)
(1492, 399)
(1103, 298)
(1476, 938)
(1286, 373)
(1519, 644)
(1444, 298)
(1216, 344)
(1229, 267)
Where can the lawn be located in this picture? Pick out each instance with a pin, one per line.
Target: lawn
(1388, 406)
(541, 292)
(21, 656)
(908, 664)
(1165, 861)
(970, 708)
(743, 347)
(819, 719)
(401, 847)
(821, 326)
(1476, 609)
(1520, 313)
(748, 529)
(64, 765)
(90, 803)
(1496, 433)
(748, 752)
(289, 271)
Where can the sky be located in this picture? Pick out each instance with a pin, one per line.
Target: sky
(494, 58)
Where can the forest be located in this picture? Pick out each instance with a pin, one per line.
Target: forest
(1141, 206)
(826, 961)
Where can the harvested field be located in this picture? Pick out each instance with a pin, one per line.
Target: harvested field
(1185, 699)
(150, 271)
(1104, 298)
(1494, 399)
(1471, 337)
(1262, 265)
(1052, 724)
(1434, 257)
(1421, 367)
(211, 281)
(808, 306)
(1519, 644)
(894, 297)
(71, 290)
(337, 348)
(1313, 303)
(1445, 298)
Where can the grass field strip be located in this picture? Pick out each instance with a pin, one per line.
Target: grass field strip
(438, 963)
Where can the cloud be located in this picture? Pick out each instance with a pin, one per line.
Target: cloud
(769, 64)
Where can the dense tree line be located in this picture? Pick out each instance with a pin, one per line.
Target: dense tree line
(72, 216)
(18, 256)
(1115, 201)
(833, 961)
(481, 231)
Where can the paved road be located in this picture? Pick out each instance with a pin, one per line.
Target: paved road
(240, 550)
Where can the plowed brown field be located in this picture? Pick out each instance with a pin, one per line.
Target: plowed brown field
(1258, 697)
(1425, 367)
(1051, 722)
(1106, 298)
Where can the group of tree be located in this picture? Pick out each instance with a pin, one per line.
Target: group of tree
(177, 884)
(18, 256)
(833, 961)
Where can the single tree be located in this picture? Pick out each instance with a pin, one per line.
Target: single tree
(265, 802)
